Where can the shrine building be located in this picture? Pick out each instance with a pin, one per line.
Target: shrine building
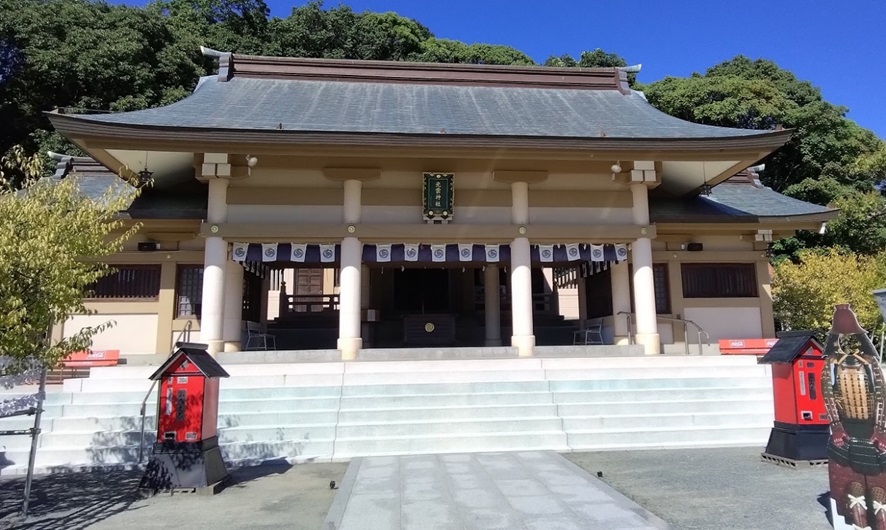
(301, 204)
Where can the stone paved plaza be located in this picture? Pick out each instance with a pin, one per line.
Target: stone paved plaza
(508, 491)
(691, 489)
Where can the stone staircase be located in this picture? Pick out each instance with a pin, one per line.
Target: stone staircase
(320, 411)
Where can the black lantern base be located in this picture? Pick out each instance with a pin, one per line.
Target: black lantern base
(195, 466)
(798, 443)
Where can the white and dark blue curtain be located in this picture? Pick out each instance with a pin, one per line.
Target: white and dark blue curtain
(406, 252)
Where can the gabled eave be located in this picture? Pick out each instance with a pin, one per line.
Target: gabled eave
(93, 134)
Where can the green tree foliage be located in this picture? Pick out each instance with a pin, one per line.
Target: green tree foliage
(593, 59)
(340, 33)
(86, 55)
(230, 25)
(91, 55)
(436, 50)
(759, 95)
(47, 229)
(805, 292)
(861, 225)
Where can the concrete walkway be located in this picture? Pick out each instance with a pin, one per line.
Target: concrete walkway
(509, 491)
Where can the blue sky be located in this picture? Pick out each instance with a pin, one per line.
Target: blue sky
(838, 46)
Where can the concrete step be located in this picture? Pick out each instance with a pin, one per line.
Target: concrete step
(254, 406)
(445, 400)
(111, 423)
(324, 410)
(593, 440)
(759, 404)
(15, 423)
(94, 440)
(434, 428)
(665, 372)
(225, 407)
(687, 420)
(229, 394)
(289, 450)
(445, 388)
(310, 370)
(450, 443)
(282, 433)
(453, 413)
(255, 419)
(629, 382)
(658, 395)
(115, 423)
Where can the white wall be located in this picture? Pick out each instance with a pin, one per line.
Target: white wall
(132, 334)
(568, 302)
(726, 322)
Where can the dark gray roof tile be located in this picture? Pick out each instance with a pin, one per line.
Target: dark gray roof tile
(731, 202)
(373, 107)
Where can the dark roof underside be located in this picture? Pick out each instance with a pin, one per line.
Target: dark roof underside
(185, 201)
(729, 203)
(420, 109)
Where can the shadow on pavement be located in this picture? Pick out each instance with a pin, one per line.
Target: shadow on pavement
(825, 500)
(70, 500)
(75, 501)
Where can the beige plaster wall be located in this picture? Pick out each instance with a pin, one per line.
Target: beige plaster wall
(726, 322)
(579, 216)
(274, 213)
(132, 334)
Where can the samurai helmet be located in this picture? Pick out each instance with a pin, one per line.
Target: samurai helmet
(845, 322)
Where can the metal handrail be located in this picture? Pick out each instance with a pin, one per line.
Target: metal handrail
(685, 323)
(630, 325)
(141, 438)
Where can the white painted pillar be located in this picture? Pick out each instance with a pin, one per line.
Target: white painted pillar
(493, 305)
(233, 319)
(523, 336)
(215, 257)
(620, 279)
(349, 339)
(644, 288)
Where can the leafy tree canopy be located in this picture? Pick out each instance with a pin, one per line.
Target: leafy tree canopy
(92, 55)
(436, 50)
(805, 292)
(46, 230)
(593, 59)
(757, 94)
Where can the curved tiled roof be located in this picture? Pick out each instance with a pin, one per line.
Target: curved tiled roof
(733, 202)
(427, 109)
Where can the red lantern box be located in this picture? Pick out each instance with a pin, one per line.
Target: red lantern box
(186, 454)
(801, 428)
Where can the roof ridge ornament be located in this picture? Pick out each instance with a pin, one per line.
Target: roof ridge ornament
(225, 62)
(632, 69)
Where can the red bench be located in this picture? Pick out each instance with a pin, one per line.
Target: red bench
(746, 346)
(78, 364)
